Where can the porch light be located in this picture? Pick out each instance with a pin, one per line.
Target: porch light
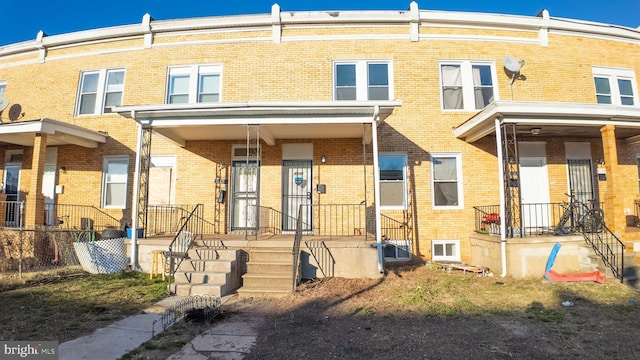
(323, 159)
(535, 131)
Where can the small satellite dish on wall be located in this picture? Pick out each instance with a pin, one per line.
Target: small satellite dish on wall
(512, 67)
(15, 112)
(3, 104)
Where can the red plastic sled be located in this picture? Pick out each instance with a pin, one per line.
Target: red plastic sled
(596, 276)
(551, 275)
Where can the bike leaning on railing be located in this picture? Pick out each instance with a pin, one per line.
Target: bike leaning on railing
(579, 217)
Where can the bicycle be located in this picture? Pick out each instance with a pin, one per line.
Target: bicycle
(584, 218)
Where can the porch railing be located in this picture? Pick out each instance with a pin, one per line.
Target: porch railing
(67, 216)
(166, 219)
(392, 229)
(337, 220)
(270, 221)
(295, 251)
(189, 230)
(12, 213)
(609, 247)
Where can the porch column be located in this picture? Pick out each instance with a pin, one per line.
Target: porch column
(34, 212)
(613, 207)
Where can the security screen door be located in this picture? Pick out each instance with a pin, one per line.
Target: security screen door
(244, 204)
(296, 191)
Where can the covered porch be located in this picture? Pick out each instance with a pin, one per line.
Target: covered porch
(550, 153)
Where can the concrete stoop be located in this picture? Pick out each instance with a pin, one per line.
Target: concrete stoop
(208, 271)
(269, 273)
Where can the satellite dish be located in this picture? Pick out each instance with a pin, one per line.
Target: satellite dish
(3, 104)
(15, 112)
(511, 64)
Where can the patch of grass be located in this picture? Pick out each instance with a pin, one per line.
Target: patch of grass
(364, 311)
(65, 307)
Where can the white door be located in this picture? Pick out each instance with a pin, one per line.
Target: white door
(534, 194)
(49, 192)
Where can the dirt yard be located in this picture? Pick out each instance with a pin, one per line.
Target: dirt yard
(422, 313)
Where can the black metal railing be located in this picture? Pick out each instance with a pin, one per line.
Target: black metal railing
(12, 214)
(184, 239)
(270, 221)
(166, 219)
(338, 220)
(392, 229)
(85, 217)
(608, 246)
(295, 251)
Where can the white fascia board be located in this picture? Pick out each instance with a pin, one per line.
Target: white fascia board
(336, 17)
(305, 120)
(214, 22)
(579, 26)
(53, 126)
(116, 33)
(431, 17)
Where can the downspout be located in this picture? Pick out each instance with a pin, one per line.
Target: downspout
(503, 223)
(136, 199)
(376, 185)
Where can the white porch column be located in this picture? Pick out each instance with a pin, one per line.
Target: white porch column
(135, 203)
(503, 210)
(376, 188)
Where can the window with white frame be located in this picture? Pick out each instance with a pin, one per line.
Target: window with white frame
(445, 250)
(393, 180)
(446, 180)
(397, 250)
(3, 88)
(99, 90)
(363, 80)
(467, 85)
(615, 86)
(114, 182)
(194, 84)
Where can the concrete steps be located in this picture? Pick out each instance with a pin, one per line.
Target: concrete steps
(269, 273)
(207, 271)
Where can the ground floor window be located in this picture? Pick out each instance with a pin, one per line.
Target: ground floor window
(445, 250)
(397, 250)
(114, 181)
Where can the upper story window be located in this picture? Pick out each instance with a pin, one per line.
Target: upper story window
(363, 80)
(99, 90)
(467, 85)
(446, 180)
(615, 86)
(393, 180)
(194, 84)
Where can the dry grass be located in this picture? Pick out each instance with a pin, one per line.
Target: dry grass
(64, 306)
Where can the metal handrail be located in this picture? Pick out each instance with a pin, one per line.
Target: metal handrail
(179, 246)
(295, 251)
(86, 217)
(270, 221)
(608, 246)
(339, 219)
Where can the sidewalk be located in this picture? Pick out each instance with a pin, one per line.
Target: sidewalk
(232, 339)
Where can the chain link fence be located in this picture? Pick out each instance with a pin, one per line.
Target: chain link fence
(24, 251)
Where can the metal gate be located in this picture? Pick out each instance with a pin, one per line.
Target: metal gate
(581, 180)
(296, 191)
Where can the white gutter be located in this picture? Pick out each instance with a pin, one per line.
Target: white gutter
(376, 186)
(136, 200)
(503, 223)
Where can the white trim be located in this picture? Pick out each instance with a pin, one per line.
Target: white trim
(194, 72)
(405, 181)
(101, 89)
(613, 75)
(459, 180)
(105, 162)
(468, 93)
(445, 257)
(398, 244)
(362, 78)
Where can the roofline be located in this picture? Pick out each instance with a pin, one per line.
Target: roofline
(150, 27)
(550, 113)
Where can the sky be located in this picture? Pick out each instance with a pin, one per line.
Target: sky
(20, 20)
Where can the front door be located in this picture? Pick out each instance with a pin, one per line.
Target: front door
(581, 180)
(244, 195)
(49, 192)
(11, 186)
(296, 191)
(534, 193)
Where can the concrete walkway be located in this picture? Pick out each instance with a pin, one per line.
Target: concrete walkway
(231, 339)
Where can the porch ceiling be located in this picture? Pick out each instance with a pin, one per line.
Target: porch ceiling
(277, 120)
(553, 120)
(59, 133)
